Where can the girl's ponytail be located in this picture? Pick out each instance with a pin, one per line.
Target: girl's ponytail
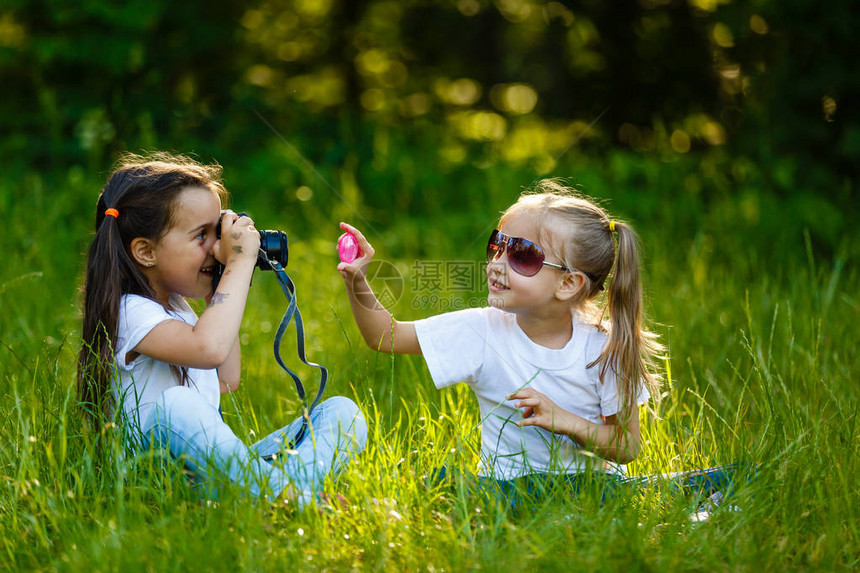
(631, 350)
(109, 270)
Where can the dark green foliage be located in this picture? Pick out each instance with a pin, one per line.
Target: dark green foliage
(773, 82)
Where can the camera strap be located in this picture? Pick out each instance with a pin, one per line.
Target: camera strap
(293, 312)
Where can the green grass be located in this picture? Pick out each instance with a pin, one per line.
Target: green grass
(759, 309)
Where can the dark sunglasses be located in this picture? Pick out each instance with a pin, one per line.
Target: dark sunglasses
(525, 257)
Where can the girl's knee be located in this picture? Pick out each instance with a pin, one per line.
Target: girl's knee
(349, 418)
(176, 399)
(178, 393)
(341, 407)
(183, 405)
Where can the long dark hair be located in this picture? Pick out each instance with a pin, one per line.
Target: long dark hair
(143, 190)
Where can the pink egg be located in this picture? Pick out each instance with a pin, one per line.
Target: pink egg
(347, 248)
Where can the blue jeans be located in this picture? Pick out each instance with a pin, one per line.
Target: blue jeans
(535, 487)
(190, 428)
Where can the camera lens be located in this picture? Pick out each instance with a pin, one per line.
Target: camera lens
(276, 248)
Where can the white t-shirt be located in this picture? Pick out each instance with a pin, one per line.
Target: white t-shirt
(486, 349)
(143, 380)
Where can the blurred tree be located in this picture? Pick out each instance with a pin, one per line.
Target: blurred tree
(517, 80)
(791, 87)
(88, 77)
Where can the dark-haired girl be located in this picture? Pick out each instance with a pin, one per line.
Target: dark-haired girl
(148, 359)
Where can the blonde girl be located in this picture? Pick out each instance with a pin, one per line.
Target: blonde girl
(554, 374)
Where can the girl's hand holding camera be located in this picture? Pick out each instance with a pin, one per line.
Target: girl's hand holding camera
(239, 240)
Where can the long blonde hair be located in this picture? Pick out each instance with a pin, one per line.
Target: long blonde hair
(577, 231)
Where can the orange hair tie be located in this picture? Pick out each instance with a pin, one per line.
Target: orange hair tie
(112, 212)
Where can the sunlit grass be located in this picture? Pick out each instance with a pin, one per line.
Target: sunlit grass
(763, 370)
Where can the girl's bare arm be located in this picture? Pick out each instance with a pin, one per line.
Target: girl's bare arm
(614, 440)
(380, 330)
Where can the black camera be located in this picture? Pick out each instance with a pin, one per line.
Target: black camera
(274, 246)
